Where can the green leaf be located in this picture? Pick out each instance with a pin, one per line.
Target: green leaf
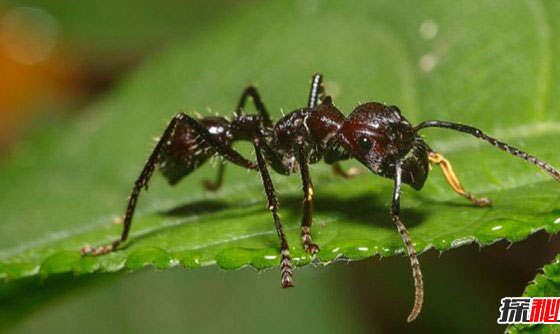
(546, 284)
(63, 187)
(129, 28)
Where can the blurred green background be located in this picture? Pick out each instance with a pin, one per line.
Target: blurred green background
(87, 50)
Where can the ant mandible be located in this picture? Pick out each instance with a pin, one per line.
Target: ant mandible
(375, 134)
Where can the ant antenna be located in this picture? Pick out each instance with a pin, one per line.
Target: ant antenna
(555, 173)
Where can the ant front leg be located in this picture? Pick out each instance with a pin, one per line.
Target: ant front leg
(453, 181)
(285, 263)
(334, 155)
(142, 181)
(307, 219)
(347, 174)
(416, 272)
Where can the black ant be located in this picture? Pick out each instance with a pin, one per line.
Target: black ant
(375, 134)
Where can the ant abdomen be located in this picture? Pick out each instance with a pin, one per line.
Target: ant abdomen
(185, 150)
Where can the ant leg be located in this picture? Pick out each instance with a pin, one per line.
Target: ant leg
(316, 91)
(225, 151)
(555, 173)
(285, 264)
(453, 181)
(315, 94)
(259, 105)
(416, 272)
(215, 185)
(347, 174)
(142, 181)
(307, 219)
(272, 158)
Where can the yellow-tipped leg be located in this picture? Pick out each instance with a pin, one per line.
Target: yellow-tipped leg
(453, 181)
(347, 174)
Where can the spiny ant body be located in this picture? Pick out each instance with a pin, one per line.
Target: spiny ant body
(376, 135)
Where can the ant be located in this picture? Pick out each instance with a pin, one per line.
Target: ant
(375, 134)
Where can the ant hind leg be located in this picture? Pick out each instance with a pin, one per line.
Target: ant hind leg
(251, 91)
(221, 149)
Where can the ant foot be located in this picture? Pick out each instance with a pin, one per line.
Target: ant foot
(311, 247)
(286, 269)
(482, 202)
(354, 171)
(308, 244)
(95, 251)
(287, 281)
(211, 186)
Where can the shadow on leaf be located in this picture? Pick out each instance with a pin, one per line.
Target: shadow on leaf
(365, 208)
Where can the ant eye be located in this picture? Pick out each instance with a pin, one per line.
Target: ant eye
(364, 143)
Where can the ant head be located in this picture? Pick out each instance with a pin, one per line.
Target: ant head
(376, 135)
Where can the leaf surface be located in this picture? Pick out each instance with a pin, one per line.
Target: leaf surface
(63, 187)
(545, 284)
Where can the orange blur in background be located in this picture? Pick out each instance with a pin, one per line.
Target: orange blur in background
(35, 70)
